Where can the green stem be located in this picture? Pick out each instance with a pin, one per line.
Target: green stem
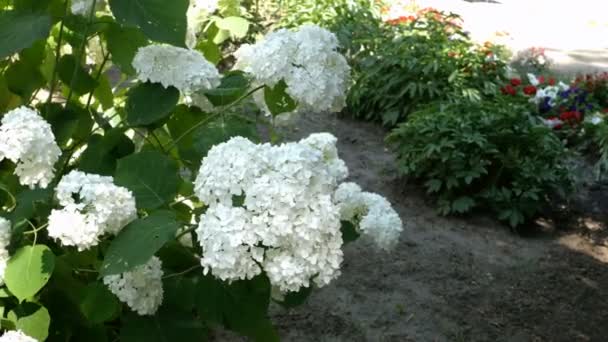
(82, 50)
(101, 122)
(183, 272)
(57, 54)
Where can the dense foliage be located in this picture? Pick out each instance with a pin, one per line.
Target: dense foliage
(137, 202)
(489, 154)
(420, 59)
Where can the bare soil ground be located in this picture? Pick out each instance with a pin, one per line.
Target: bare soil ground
(453, 279)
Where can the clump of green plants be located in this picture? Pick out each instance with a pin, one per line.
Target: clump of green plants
(489, 155)
(421, 59)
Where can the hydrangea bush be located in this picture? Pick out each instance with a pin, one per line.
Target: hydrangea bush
(138, 201)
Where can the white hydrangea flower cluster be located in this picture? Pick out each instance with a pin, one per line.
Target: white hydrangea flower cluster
(83, 7)
(288, 225)
(317, 76)
(141, 288)
(375, 216)
(185, 69)
(28, 141)
(16, 336)
(5, 240)
(92, 206)
(198, 11)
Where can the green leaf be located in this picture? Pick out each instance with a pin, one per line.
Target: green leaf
(19, 31)
(193, 144)
(152, 176)
(23, 78)
(148, 103)
(178, 292)
(123, 43)
(210, 50)
(139, 241)
(232, 87)
(219, 131)
(294, 299)
(103, 93)
(236, 26)
(167, 325)
(28, 270)
(73, 75)
(35, 325)
(67, 123)
(29, 202)
(241, 306)
(103, 152)
(463, 204)
(160, 20)
(349, 231)
(277, 99)
(98, 304)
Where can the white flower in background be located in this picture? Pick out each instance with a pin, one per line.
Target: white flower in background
(316, 75)
(5, 240)
(92, 206)
(271, 209)
(533, 80)
(377, 218)
(28, 141)
(552, 122)
(141, 288)
(187, 70)
(198, 12)
(594, 119)
(83, 7)
(16, 336)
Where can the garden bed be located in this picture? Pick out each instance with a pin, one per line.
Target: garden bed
(452, 279)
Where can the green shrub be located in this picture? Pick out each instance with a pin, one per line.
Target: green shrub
(490, 155)
(417, 62)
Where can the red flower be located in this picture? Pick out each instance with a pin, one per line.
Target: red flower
(554, 118)
(552, 81)
(541, 79)
(516, 82)
(530, 90)
(571, 117)
(605, 110)
(508, 90)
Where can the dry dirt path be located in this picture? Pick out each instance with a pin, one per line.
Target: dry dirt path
(450, 279)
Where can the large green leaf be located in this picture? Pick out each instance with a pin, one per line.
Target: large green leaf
(103, 152)
(193, 144)
(160, 20)
(152, 176)
(24, 76)
(139, 241)
(166, 325)
(35, 325)
(236, 26)
(73, 75)
(232, 87)
(123, 43)
(221, 130)
(29, 270)
(148, 103)
(98, 304)
(241, 306)
(19, 31)
(277, 99)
